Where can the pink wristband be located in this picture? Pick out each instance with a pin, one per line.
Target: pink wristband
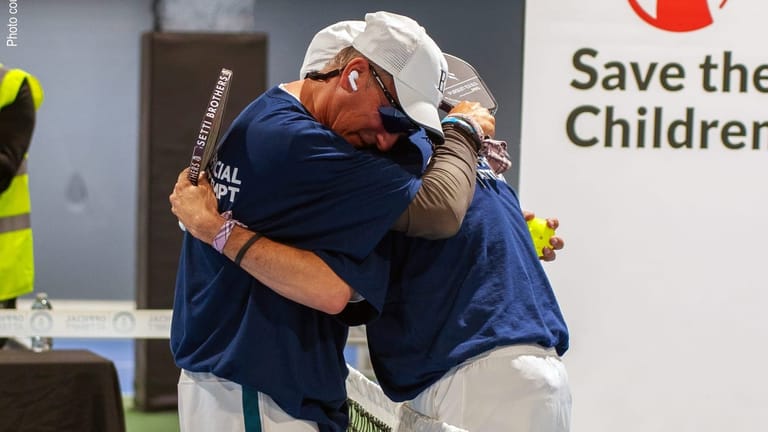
(224, 232)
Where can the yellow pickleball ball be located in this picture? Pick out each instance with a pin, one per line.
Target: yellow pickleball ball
(540, 233)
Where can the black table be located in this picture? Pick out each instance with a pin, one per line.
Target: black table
(60, 390)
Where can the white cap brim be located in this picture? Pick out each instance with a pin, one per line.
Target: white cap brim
(401, 47)
(419, 110)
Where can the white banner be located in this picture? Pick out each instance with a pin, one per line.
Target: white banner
(645, 130)
(134, 324)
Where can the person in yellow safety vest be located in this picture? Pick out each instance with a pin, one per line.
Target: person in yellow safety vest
(20, 96)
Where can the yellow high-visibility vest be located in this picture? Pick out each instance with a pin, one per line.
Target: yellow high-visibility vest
(17, 266)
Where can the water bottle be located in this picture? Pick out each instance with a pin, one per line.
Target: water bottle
(40, 343)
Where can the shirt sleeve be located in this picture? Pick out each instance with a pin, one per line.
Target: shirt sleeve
(446, 192)
(17, 121)
(370, 278)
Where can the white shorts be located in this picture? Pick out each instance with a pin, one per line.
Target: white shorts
(209, 403)
(519, 388)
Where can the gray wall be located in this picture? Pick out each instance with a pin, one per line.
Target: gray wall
(83, 160)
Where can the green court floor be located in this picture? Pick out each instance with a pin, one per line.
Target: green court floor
(140, 421)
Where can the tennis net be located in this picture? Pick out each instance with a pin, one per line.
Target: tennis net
(370, 410)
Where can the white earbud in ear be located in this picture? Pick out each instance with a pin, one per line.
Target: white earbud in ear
(353, 80)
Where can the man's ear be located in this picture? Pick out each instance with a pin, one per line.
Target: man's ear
(354, 69)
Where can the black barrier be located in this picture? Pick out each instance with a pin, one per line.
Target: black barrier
(175, 86)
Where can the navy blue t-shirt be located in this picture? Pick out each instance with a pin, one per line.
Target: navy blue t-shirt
(285, 175)
(453, 299)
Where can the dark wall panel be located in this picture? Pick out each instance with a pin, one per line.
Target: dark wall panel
(179, 71)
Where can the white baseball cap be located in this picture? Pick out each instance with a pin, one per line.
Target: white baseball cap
(327, 43)
(400, 46)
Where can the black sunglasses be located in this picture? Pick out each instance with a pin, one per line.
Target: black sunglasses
(393, 117)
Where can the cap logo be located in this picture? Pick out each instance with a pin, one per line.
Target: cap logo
(441, 83)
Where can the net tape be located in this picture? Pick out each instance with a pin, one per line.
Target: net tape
(370, 410)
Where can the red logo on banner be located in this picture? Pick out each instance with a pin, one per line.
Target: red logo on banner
(676, 15)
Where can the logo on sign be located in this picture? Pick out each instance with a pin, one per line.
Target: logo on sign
(124, 322)
(677, 15)
(41, 321)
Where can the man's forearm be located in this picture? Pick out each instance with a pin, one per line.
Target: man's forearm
(296, 274)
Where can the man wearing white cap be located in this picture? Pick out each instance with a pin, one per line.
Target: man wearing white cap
(490, 361)
(473, 342)
(271, 359)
